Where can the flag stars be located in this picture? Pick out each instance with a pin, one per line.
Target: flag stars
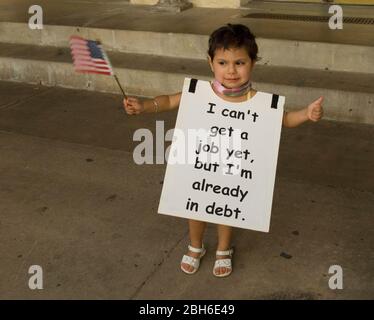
(95, 50)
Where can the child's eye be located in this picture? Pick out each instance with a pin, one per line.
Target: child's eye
(240, 62)
(221, 63)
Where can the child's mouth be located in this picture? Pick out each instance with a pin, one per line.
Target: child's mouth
(232, 80)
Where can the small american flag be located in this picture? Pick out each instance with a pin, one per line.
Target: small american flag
(89, 56)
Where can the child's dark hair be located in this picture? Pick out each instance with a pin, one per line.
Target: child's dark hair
(233, 36)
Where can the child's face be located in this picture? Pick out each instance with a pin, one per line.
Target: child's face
(231, 67)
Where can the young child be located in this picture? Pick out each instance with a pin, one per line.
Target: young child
(232, 55)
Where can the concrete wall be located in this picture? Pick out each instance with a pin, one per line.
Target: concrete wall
(365, 2)
(202, 3)
(149, 2)
(219, 3)
(239, 3)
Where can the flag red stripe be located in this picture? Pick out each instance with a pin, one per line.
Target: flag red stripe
(88, 59)
(77, 65)
(108, 73)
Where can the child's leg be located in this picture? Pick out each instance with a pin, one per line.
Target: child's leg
(224, 237)
(224, 243)
(196, 229)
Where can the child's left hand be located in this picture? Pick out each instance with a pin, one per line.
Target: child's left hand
(315, 110)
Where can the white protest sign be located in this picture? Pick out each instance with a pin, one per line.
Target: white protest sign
(228, 173)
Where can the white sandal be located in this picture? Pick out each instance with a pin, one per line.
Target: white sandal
(223, 263)
(194, 262)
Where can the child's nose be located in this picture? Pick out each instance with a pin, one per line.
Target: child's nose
(232, 68)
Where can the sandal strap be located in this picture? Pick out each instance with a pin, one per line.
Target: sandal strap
(196, 250)
(225, 253)
(222, 263)
(194, 262)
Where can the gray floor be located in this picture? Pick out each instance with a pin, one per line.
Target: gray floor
(74, 202)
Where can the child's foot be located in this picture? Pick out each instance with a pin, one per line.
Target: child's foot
(223, 265)
(191, 261)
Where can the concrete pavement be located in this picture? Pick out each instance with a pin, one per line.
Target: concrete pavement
(74, 202)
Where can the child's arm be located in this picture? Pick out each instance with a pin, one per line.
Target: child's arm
(134, 105)
(313, 112)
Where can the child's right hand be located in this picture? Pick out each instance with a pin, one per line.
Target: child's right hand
(133, 105)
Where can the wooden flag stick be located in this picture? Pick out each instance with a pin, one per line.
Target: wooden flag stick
(123, 92)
